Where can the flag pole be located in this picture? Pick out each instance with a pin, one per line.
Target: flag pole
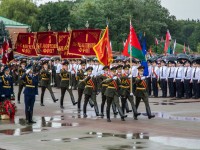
(131, 82)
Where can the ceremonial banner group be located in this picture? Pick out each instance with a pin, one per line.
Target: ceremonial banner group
(72, 44)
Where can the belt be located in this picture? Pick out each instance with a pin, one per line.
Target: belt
(140, 88)
(89, 86)
(31, 86)
(6, 86)
(104, 85)
(111, 87)
(124, 86)
(65, 78)
(45, 78)
(80, 80)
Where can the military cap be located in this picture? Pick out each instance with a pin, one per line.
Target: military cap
(45, 63)
(140, 68)
(89, 69)
(119, 67)
(187, 61)
(105, 67)
(6, 68)
(113, 69)
(23, 62)
(154, 61)
(126, 67)
(29, 67)
(65, 63)
(163, 61)
(83, 62)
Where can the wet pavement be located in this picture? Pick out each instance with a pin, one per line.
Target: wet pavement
(176, 126)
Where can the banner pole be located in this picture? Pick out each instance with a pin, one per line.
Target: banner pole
(131, 83)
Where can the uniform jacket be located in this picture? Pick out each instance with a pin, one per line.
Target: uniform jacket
(45, 77)
(141, 87)
(6, 85)
(91, 85)
(81, 77)
(65, 78)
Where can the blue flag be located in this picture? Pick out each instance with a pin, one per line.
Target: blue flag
(144, 51)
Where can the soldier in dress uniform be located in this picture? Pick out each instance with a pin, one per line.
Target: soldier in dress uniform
(125, 91)
(170, 76)
(21, 71)
(6, 85)
(196, 78)
(112, 93)
(30, 91)
(102, 77)
(187, 79)
(65, 84)
(90, 91)
(178, 78)
(142, 91)
(155, 78)
(149, 76)
(163, 78)
(81, 84)
(45, 83)
(1, 69)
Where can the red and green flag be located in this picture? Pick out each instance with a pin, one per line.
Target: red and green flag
(133, 46)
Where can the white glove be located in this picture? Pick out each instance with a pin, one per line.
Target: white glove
(85, 73)
(2, 95)
(70, 87)
(91, 75)
(130, 76)
(115, 77)
(142, 78)
(27, 71)
(50, 71)
(11, 95)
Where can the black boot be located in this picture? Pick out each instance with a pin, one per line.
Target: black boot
(114, 109)
(127, 108)
(91, 102)
(61, 104)
(73, 100)
(149, 112)
(42, 101)
(108, 115)
(27, 116)
(96, 110)
(136, 114)
(30, 118)
(102, 110)
(122, 114)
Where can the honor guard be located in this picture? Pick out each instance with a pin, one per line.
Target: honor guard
(170, 75)
(21, 71)
(65, 84)
(6, 85)
(155, 78)
(187, 79)
(81, 84)
(102, 77)
(45, 83)
(179, 78)
(90, 91)
(112, 93)
(149, 76)
(125, 91)
(163, 78)
(30, 91)
(196, 79)
(142, 91)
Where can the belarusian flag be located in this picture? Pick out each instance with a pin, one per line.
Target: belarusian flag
(134, 47)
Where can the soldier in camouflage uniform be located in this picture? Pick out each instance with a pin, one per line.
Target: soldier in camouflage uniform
(66, 84)
(45, 83)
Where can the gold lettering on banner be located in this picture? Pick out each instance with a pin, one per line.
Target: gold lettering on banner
(27, 51)
(95, 35)
(76, 34)
(49, 38)
(86, 38)
(48, 51)
(29, 40)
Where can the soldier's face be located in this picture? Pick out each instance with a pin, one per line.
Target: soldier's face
(7, 72)
(65, 67)
(126, 71)
(83, 66)
(141, 72)
(89, 72)
(23, 65)
(45, 66)
(119, 70)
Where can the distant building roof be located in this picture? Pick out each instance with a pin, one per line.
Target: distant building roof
(11, 23)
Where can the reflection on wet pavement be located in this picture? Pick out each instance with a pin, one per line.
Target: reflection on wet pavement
(178, 142)
(41, 122)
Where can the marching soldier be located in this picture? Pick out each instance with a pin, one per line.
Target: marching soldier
(45, 83)
(102, 77)
(125, 91)
(66, 84)
(6, 84)
(112, 93)
(163, 78)
(81, 84)
(90, 91)
(30, 91)
(187, 79)
(142, 91)
(170, 75)
(20, 72)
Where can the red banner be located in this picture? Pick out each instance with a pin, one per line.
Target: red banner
(63, 40)
(83, 41)
(46, 44)
(25, 44)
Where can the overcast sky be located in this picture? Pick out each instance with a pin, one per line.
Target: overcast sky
(182, 9)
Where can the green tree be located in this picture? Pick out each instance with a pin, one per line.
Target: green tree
(3, 33)
(24, 11)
